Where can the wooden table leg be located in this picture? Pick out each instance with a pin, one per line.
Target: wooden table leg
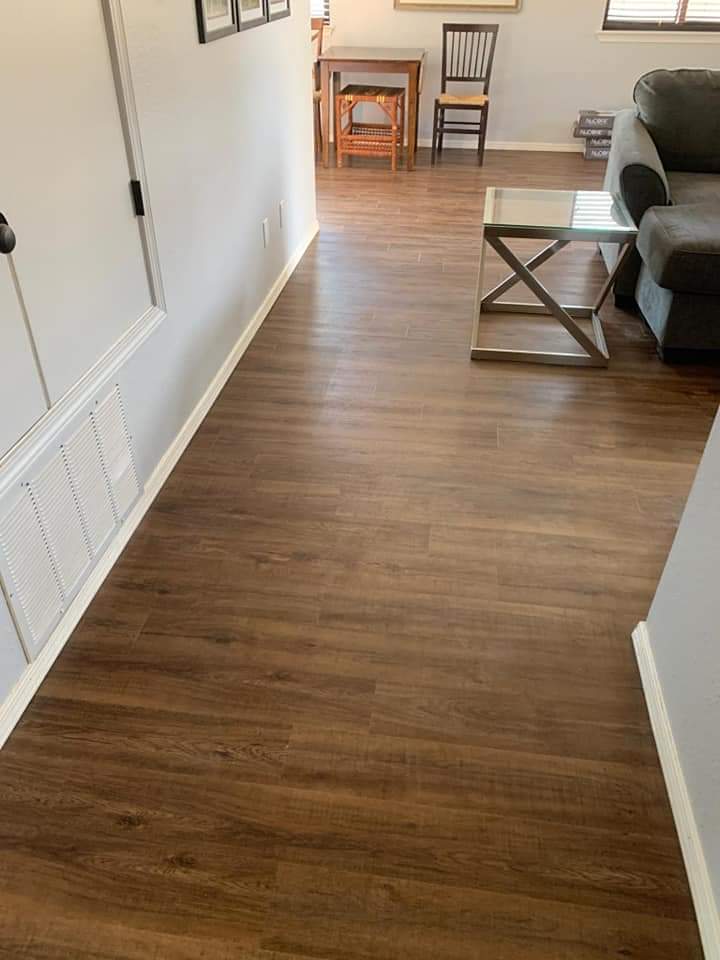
(335, 85)
(413, 93)
(326, 113)
(417, 114)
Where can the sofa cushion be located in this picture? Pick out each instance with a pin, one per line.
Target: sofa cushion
(694, 187)
(681, 110)
(681, 247)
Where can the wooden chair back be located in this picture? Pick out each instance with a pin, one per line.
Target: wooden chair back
(468, 53)
(317, 40)
(317, 34)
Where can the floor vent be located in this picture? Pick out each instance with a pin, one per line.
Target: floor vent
(63, 516)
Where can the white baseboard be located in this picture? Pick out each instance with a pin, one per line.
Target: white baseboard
(706, 908)
(471, 144)
(25, 689)
(537, 147)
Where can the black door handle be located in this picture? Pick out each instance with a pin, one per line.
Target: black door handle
(7, 236)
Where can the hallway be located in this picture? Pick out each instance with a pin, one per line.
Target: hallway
(361, 686)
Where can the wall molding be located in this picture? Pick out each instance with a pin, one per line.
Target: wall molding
(120, 57)
(41, 435)
(706, 908)
(25, 689)
(470, 143)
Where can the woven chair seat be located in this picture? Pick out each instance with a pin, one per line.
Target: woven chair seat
(368, 134)
(370, 93)
(458, 100)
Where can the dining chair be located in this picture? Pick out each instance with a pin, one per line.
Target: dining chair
(468, 55)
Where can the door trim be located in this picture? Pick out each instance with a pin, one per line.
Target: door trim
(29, 332)
(120, 57)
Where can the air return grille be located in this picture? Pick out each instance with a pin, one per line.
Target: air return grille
(90, 486)
(35, 596)
(61, 524)
(63, 515)
(117, 457)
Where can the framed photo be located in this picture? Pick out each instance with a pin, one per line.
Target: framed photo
(279, 9)
(500, 6)
(251, 13)
(216, 19)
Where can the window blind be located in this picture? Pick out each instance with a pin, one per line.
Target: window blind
(705, 10)
(320, 8)
(664, 14)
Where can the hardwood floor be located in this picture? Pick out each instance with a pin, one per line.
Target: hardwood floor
(361, 687)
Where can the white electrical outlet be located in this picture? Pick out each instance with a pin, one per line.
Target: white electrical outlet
(282, 214)
(266, 233)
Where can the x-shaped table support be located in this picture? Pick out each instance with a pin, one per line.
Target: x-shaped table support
(596, 351)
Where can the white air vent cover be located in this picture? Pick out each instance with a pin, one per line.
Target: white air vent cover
(117, 456)
(61, 523)
(31, 582)
(63, 514)
(91, 486)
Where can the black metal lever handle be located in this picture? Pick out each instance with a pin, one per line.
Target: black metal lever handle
(7, 236)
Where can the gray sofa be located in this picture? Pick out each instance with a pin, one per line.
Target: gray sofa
(665, 162)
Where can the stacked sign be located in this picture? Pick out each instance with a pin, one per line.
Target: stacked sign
(595, 128)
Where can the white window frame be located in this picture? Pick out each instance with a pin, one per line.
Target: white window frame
(644, 32)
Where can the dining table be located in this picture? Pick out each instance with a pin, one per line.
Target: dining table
(392, 60)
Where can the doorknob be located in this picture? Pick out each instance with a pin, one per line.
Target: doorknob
(7, 236)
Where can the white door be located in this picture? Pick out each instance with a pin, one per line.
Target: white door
(65, 182)
(22, 402)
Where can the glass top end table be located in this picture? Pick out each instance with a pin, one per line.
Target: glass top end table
(562, 217)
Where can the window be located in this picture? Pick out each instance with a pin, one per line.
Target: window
(321, 8)
(662, 15)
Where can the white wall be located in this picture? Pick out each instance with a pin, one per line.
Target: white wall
(227, 135)
(684, 631)
(550, 62)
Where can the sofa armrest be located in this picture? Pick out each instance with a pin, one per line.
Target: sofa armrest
(635, 170)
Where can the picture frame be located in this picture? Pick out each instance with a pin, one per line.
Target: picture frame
(497, 6)
(216, 19)
(278, 9)
(251, 13)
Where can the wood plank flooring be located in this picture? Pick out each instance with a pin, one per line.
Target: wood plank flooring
(361, 687)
